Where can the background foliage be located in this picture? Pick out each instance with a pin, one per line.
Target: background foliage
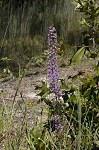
(23, 37)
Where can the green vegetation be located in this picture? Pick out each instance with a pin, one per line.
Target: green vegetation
(27, 124)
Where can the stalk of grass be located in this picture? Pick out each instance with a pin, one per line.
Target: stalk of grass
(20, 80)
(79, 119)
(23, 126)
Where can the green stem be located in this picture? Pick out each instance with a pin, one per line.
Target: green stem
(79, 122)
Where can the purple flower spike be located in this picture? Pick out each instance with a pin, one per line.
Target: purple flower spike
(52, 63)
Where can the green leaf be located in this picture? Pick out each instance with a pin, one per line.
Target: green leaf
(84, 23)
(78, 55)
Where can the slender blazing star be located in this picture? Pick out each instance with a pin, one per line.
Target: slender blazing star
(52, 63)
